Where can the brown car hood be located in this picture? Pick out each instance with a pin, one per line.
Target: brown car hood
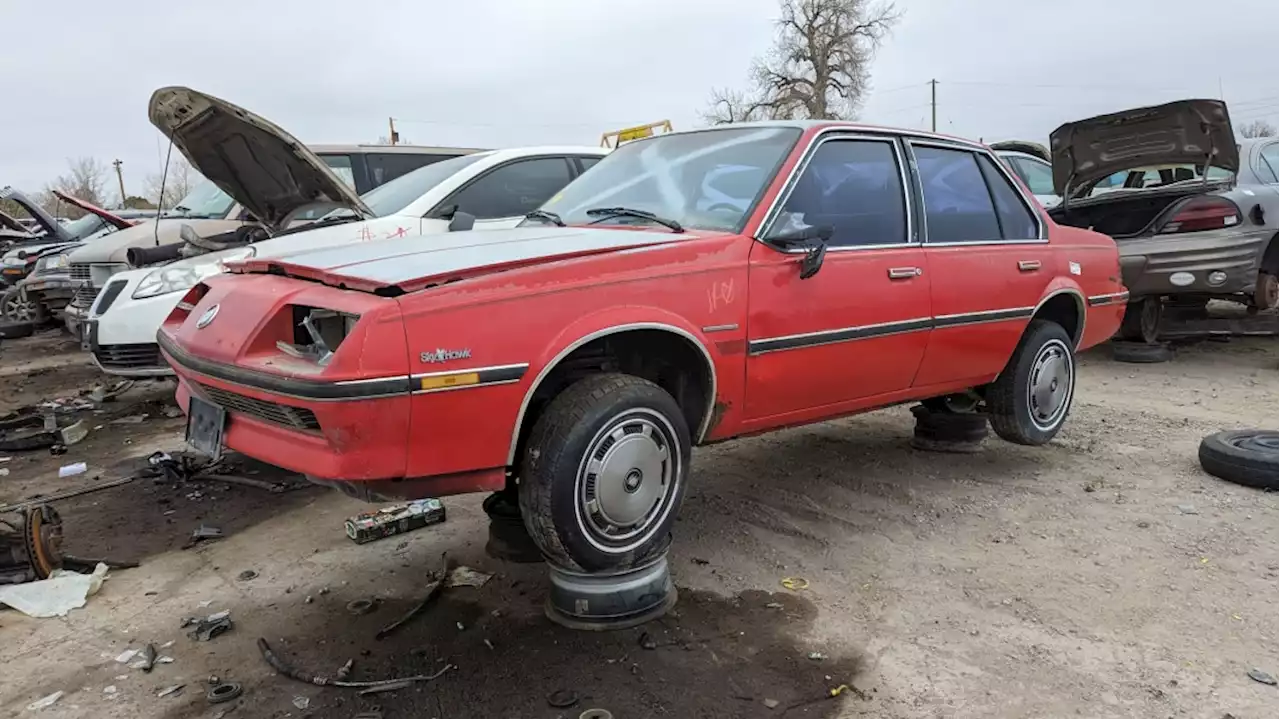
(1182, 132)
(119, 222)
(268, 171)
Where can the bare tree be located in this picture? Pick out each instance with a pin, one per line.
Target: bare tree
(1258, 128)
(819, 66)
(177, 183)
(86, 180)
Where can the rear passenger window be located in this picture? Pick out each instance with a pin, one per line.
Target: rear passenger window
(855, 187)
(1016, 221)
(387, 166)
(957, 206)
(513, 190)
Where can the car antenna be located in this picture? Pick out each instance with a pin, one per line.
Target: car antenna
(164, 173)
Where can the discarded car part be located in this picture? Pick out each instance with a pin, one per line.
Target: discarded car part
(148, 661)
(223, 692)
(397, 519)
(143, 256)
(85, 565)
(509, 539)
(287, 670)
(434, 589)
(596, 714)
(204, 532)
(28, 432)
(30, 545)
(610, 600)
(1141, 352)
(1141, 321)
(16, 330)
(68, 494)
(273, 487)
(1243, 456)
(944, 431)
(211, 627)
(392, 687)
(562, 698)
(361, 606)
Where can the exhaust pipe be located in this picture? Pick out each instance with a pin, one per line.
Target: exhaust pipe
(143, 256)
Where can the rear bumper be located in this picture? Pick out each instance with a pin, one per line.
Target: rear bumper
(1148, 264)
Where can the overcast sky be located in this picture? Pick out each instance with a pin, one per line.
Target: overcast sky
(489, 73)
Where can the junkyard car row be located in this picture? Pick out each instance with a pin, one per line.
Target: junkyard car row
(563, 324)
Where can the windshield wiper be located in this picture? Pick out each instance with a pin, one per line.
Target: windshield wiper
(606, 212)
(180, 208)
(551, 217)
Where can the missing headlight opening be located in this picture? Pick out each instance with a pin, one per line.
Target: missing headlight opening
(317, 333)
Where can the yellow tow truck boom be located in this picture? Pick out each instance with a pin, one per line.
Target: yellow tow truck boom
(634, 133)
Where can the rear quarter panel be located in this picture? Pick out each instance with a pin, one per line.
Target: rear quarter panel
(1088, 263)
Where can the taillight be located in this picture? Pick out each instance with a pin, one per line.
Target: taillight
(1202, 213)
(189, 302)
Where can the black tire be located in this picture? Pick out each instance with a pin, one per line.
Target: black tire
(1266, 292)
(1140, 352)
(1141, 321)
(15, 330)
(564, 503)
(944, 426)
(1016, 415)
(17, 306)
(1242, 456)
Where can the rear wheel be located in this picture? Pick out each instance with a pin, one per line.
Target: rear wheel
(1266, 294)
(604, 473)
(1141, 321)
(1029, 401)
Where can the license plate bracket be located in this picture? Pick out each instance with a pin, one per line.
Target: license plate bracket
(206, 423)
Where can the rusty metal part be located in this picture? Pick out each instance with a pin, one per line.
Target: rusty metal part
(280, 666)
(57, 496)
(434, 590)
(30, 545)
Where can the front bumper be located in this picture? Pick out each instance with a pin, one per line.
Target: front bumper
(122, 336)
(55, 290)
(1148, 264)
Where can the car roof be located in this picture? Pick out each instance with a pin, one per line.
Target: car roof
(806, 125)
(511, 153)
(392, 149)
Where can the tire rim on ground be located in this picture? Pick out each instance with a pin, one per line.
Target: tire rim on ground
(627, 481)
(19, 307)
(1259, 442)
(1049, 385)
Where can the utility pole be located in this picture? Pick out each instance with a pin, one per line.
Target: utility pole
(393, 138)
(933, 102)
(120, 178)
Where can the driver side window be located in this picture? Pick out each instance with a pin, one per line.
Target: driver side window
(854, 187)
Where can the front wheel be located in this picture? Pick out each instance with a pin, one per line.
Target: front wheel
(604, 473)
(1030, 399)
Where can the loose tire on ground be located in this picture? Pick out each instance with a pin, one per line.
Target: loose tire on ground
(1140, 352)
(1141, 321)
(1029, 401)
(604, 473)
(1242, 456)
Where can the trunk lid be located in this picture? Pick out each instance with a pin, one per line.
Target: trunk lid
(412, 263)
(268, 171)
(1026, 147)
(1176, 133)
(109, 217)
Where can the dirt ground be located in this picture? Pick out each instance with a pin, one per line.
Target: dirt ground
(1104, 575)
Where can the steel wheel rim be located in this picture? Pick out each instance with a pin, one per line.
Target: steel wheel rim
(627, 481)
(1050, 384)
(18, 307)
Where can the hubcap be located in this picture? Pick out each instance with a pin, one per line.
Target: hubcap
(1049, 386)
(627, 480)
(1270, 291)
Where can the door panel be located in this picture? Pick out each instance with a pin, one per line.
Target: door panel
(846, 333)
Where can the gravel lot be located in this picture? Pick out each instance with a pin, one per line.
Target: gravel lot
(1104, 575)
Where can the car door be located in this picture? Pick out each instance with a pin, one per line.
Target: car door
(503, 195)
(987, 249)
(859, 327)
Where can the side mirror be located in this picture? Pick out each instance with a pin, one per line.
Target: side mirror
(461, 221)
(812, 239)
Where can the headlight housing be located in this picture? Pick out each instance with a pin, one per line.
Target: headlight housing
(58, 261)
(176, 279)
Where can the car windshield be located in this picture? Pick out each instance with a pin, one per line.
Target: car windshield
(205, 201)
(83, 227)
(708, 179)
(394, 196)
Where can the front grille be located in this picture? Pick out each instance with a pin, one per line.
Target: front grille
(281, 414)
(80, 271)
(109, 295)
(136, 356)
(84, 297)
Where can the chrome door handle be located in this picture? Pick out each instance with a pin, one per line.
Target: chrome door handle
(903, 273)
(1028, 265)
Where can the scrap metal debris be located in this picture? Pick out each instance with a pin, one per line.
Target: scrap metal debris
(395, 686)
(170, 690)
(223, 692)
(209, 628)
(45, 701)
(462, 576)
(360, 607)
(434, 589)
(30, 545)
(68, 494)
(322, 681)
(1262, 677)
(396, 519)
(202, 533)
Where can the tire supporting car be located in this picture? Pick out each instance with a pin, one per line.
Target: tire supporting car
(1141, 321)
(604, 472)
(1247, 457)
(509, 540)
(1031, 398)
(941, 429)
(1140, 352)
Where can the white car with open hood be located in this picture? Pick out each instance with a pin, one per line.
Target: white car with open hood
(279, 180)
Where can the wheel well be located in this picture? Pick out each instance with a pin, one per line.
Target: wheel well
(671, 361)
(1269, 261)
(1063, 308)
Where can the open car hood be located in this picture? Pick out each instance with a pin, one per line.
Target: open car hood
(112, 219)
(268, 171)
(53, 230)
(1177, 133)
(1026, 147)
